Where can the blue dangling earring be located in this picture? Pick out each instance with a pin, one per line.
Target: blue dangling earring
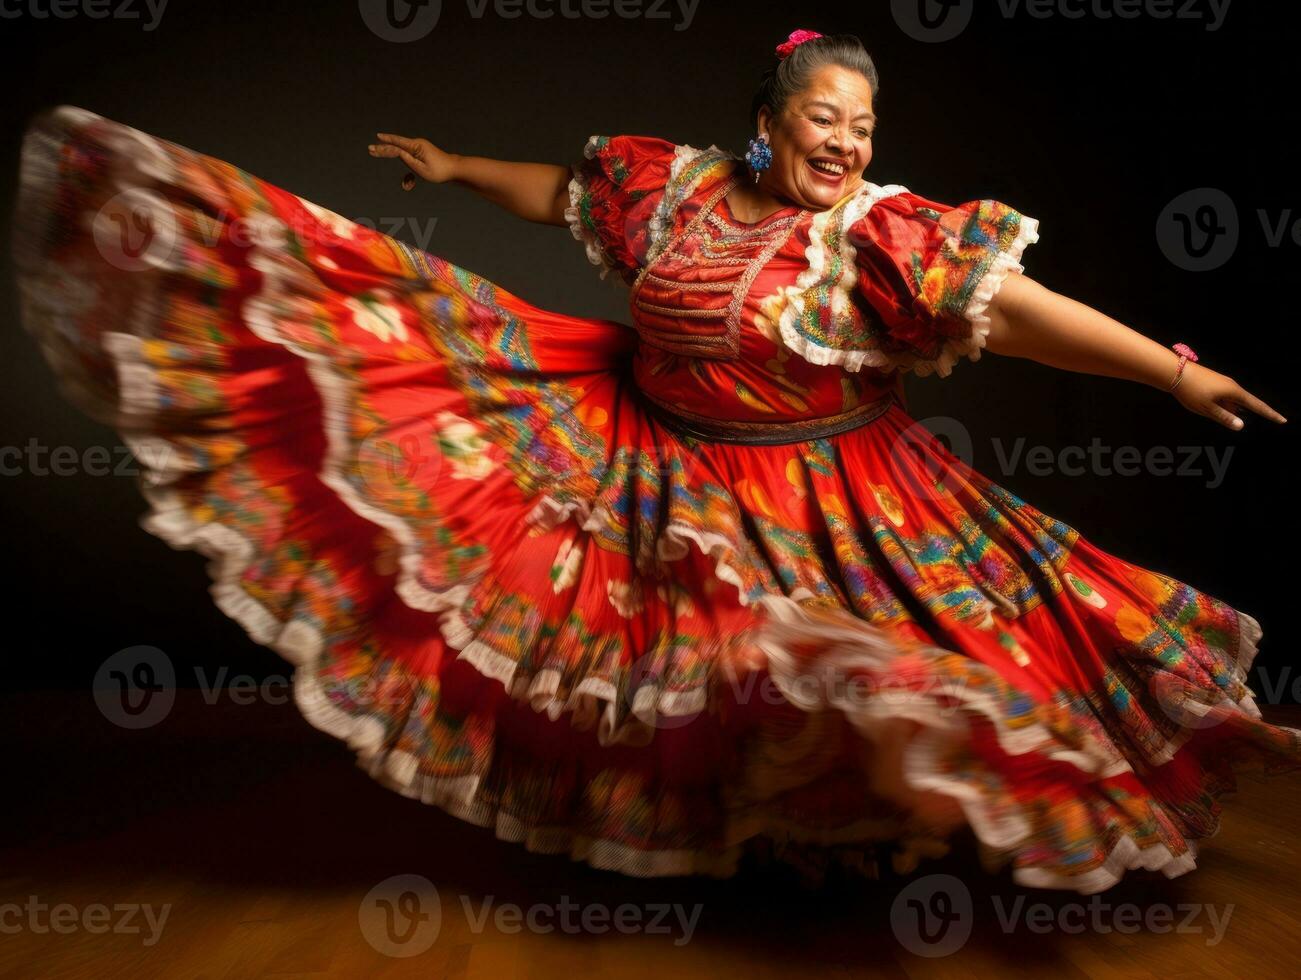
(759, 156)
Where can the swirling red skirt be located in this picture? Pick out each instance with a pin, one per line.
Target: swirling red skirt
(520, 597)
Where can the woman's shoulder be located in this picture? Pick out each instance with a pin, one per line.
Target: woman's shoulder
(626, 156)
(627, 192)
(855, 206)
(826, 238)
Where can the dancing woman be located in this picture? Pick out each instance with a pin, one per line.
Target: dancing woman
(649, 595)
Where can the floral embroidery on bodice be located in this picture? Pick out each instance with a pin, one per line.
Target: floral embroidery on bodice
(691, 299)
(706, 310)
(800, 315)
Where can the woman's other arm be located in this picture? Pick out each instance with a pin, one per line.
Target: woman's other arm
(532, 191)
(1029, 320)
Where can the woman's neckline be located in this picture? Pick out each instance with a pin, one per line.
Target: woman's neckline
(729, 214)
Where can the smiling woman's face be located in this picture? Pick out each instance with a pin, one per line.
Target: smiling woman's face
(822, 140)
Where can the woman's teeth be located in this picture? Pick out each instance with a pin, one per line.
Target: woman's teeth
(835, 169)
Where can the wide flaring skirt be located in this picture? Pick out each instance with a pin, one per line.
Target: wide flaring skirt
(518, 596)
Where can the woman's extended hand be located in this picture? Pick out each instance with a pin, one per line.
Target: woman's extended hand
(1030, 320)
(424, 159)
(1210, 393)
(533, 191)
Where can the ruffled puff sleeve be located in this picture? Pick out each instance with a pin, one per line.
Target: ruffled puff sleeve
(929, 272)
(615, 197)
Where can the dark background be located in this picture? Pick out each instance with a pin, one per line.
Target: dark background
(1092, 126)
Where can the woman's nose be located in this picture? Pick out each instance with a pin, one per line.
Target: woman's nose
(839, 139)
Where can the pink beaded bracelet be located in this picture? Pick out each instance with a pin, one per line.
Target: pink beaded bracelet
(1186, 354)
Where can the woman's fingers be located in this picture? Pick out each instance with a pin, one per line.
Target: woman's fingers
(1221, 398)
(1238, 398)
(390, 145)
(400, 141)
(394, 150)
(1250, 401)
(1222, 415)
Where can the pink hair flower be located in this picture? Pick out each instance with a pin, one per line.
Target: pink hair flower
(794, 41)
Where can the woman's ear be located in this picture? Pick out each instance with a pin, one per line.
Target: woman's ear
(764, 121)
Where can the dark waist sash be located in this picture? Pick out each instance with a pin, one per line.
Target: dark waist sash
(762, 433)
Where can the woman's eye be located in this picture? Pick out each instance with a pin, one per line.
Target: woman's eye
(821, 120)
(862, 134)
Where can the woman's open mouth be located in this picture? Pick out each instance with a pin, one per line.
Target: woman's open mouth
(831, 171)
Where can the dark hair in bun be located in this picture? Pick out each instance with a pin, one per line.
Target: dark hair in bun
(794, 72)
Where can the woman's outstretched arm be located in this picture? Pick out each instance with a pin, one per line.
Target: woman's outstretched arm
(1029, 320)
(532, 191)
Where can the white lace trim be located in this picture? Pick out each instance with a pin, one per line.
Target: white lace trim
(660, 225)
(818, 259)
(574, 215)
(854, 647)
(977, 309)
(817, 253)
(661, 222)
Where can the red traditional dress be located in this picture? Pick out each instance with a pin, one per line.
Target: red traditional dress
(641, 595)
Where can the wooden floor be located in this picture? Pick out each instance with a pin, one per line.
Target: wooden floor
(262, 843)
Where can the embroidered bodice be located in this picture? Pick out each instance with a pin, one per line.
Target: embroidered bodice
(802, 314)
